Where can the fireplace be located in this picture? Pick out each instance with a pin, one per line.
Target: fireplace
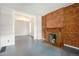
(52, 37)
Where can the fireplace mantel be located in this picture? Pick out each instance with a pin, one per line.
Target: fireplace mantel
(53, 23)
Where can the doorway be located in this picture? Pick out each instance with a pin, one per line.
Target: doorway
(24, 25)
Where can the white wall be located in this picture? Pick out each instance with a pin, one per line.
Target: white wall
(7, 27)
(32, 25)
(38, 28)
(35, 29)
(24, 24)
(21, 28)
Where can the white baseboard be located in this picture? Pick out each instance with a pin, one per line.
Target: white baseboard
(21, 35)
(71, 46)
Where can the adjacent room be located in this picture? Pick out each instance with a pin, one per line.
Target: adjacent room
(39, 29)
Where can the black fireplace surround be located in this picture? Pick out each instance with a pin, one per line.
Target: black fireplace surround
(52, 37)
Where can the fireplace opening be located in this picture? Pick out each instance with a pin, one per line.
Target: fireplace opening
(52, 38)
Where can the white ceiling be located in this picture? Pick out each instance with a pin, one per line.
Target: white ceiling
(35, 8)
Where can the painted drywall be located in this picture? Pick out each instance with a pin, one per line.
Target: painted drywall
(6, 27)
(32, 25)
(21, 28)
(35, 28)
(24, 24)
(38, 27)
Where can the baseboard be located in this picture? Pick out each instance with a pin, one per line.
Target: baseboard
(71, 46)
(23, 35)
(20, 35)
(37, 39)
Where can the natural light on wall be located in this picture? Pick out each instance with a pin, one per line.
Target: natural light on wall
(22, 18)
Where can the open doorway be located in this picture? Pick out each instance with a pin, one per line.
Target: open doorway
(24, 26)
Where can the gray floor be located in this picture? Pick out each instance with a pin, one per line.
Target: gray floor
(71, 50)
(27, 46)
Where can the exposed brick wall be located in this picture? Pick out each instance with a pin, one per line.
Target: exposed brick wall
(71, 28)
(68, 20)
(55, 19)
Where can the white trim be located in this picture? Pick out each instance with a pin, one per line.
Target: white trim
(20, 34)
(71, 46)
(13, 14)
